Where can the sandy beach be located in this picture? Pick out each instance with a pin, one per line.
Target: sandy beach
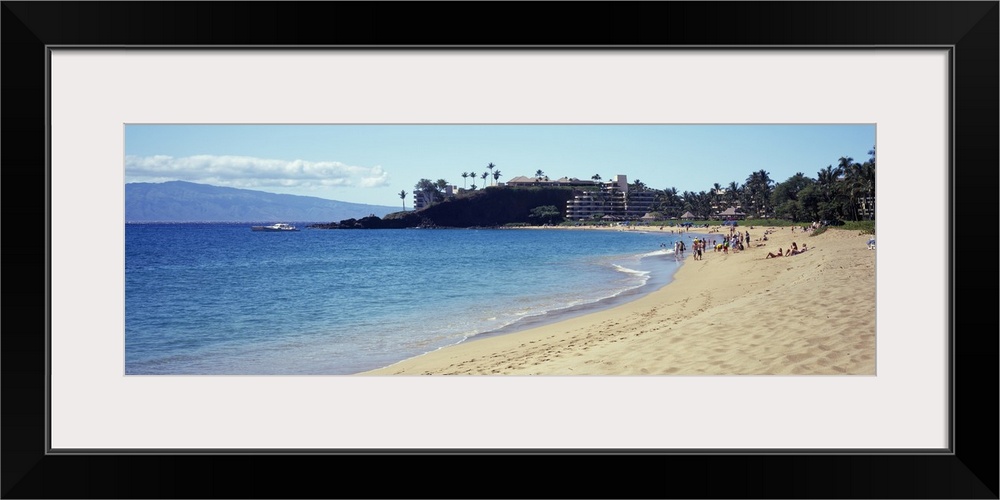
(727, 314)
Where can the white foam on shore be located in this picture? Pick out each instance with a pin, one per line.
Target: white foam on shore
(525, 320)
(630, 271)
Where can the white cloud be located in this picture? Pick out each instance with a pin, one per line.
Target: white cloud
(250, 172)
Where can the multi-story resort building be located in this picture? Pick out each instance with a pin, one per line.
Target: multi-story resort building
(866, 207)
(612, 199)
(421, 199)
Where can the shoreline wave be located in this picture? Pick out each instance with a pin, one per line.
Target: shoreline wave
(652, 283)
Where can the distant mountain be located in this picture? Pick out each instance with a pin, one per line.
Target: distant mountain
(179, 201)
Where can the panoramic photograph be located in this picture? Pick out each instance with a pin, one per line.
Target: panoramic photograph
(541, 249)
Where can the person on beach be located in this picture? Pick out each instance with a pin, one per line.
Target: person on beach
(774, 255)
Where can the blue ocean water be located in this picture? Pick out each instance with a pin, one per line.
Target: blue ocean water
(222, 299)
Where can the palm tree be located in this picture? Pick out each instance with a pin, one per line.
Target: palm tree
(827, 175)
(716, 188)
(491, 166)
(759, 186)
(733, 194)
(687, 201)
(673, 198)
(669, 202)
(484, 176)
(854, 182)
(402, 196)
(428, 191)
(596, 177)
(732, 197)
(539, 174)
(465, 175)
(826, 180)
(496, 176)
(704, 203)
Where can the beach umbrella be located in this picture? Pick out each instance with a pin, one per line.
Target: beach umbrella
(687, 215)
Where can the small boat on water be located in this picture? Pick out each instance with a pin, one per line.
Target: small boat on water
(281, 226)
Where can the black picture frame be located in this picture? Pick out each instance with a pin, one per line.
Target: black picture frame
(969, 470)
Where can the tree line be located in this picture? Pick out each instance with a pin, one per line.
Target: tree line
(841, 192)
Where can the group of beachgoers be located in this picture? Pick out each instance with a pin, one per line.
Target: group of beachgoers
(679, 248)
(811, 227)
(735, 242)
(794, 250)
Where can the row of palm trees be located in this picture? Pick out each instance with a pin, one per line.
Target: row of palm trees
(842, 192)
(485, 175)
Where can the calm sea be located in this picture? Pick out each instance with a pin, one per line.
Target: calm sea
(222, 299)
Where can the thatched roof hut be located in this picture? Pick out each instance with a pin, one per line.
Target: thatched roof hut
(731, 213)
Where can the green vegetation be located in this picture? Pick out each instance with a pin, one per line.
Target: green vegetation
(862, 226)
(548, 214)
(431, 192)
(841, 193)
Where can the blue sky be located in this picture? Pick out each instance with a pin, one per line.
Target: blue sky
(372, 163)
